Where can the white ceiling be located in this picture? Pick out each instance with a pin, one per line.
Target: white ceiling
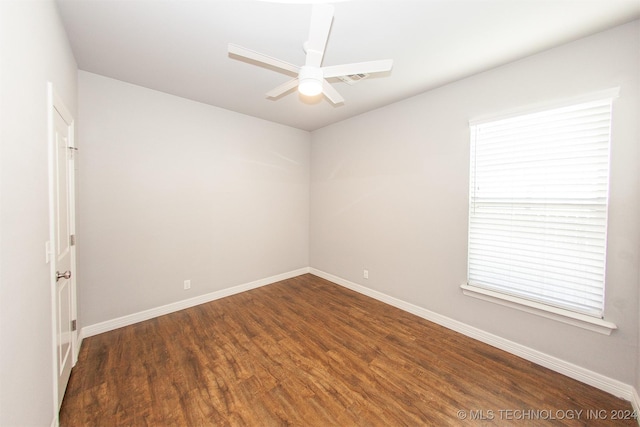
(180, 46)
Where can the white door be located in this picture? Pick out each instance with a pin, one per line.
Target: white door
(62, 256)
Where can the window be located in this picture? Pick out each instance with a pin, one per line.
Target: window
(538, 207)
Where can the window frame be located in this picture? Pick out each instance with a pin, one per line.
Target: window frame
(539, 308)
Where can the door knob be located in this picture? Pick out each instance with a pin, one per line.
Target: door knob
(66, 275)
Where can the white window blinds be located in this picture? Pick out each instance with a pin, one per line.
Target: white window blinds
(538, 206)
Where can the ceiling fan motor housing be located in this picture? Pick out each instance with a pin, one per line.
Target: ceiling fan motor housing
(310, 79)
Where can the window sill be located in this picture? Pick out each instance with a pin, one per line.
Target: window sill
(576, 319)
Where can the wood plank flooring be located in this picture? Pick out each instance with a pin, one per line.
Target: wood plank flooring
(307, 352)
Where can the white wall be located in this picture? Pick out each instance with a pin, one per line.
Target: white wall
(389, 193)
(33, 50)
(171, 189)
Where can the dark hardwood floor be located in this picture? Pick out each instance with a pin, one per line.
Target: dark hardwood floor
(307, 352)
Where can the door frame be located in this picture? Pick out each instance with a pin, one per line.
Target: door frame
(56, 105)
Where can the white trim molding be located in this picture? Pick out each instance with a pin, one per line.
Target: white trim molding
(613, 93)
(602, 382)
(576, 319)
(635, 404)
(131, 319)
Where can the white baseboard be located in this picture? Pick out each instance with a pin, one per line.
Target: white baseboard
(610, 385)
(130, 319)
(635, 403)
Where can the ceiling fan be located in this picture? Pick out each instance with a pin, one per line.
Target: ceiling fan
(312, 76)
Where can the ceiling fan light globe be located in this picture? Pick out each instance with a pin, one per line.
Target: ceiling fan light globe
(310, 87)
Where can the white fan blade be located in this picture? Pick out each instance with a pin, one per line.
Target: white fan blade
(331, 94)
(321, 17)
(260, 57)
(357, 68)
(276, 92)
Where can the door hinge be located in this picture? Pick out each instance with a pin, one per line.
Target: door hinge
(74, 326)
(72, 240)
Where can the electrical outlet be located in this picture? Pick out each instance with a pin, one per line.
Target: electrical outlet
(187, 284)
(365, 274)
